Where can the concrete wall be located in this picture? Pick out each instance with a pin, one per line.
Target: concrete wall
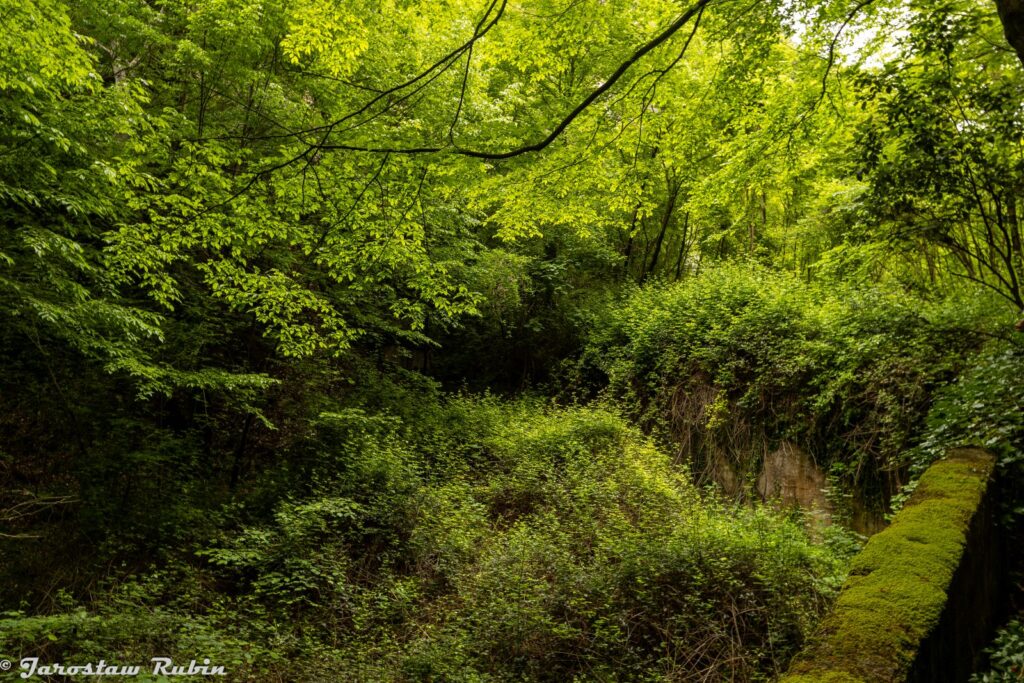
(922, 595)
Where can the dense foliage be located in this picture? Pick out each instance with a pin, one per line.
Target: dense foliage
(410, 340)
(1006, 656)
(506, 541)
(734, 362)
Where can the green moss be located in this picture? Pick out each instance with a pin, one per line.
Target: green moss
(824, 677)
(897, 586)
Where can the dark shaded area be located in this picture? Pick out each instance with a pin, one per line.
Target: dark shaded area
(977, 602)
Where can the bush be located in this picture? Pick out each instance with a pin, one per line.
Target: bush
(733, 362)
(1005, 656)
(506, 542)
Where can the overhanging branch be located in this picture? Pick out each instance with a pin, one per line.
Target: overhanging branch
(561, 126)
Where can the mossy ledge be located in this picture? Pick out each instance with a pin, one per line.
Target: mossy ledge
(897, 587)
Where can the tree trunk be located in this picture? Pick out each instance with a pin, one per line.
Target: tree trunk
(1011, 13)
(629, 242)
(683, 244)
(666, 218)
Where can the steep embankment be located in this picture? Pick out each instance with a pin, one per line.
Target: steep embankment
(741, 362)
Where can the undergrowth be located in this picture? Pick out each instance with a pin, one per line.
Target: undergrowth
(490, 541)
(731, 364)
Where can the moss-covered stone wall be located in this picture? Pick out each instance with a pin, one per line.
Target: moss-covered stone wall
(893, 620)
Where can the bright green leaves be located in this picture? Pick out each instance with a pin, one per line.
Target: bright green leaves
(941, 150)
(155, 190)
(40, 52)
(61, 179)
(195, 179)
(301, 321)
(328, 34)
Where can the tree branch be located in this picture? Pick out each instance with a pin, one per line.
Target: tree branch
(560, 127)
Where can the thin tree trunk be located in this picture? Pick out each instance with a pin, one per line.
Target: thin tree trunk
(683, 244)
(629, 242)
(666, 218)
(1015, 237)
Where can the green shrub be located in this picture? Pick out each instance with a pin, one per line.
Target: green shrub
(732, 362)
(1005, 656)
(543, 544)
(984, 407)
